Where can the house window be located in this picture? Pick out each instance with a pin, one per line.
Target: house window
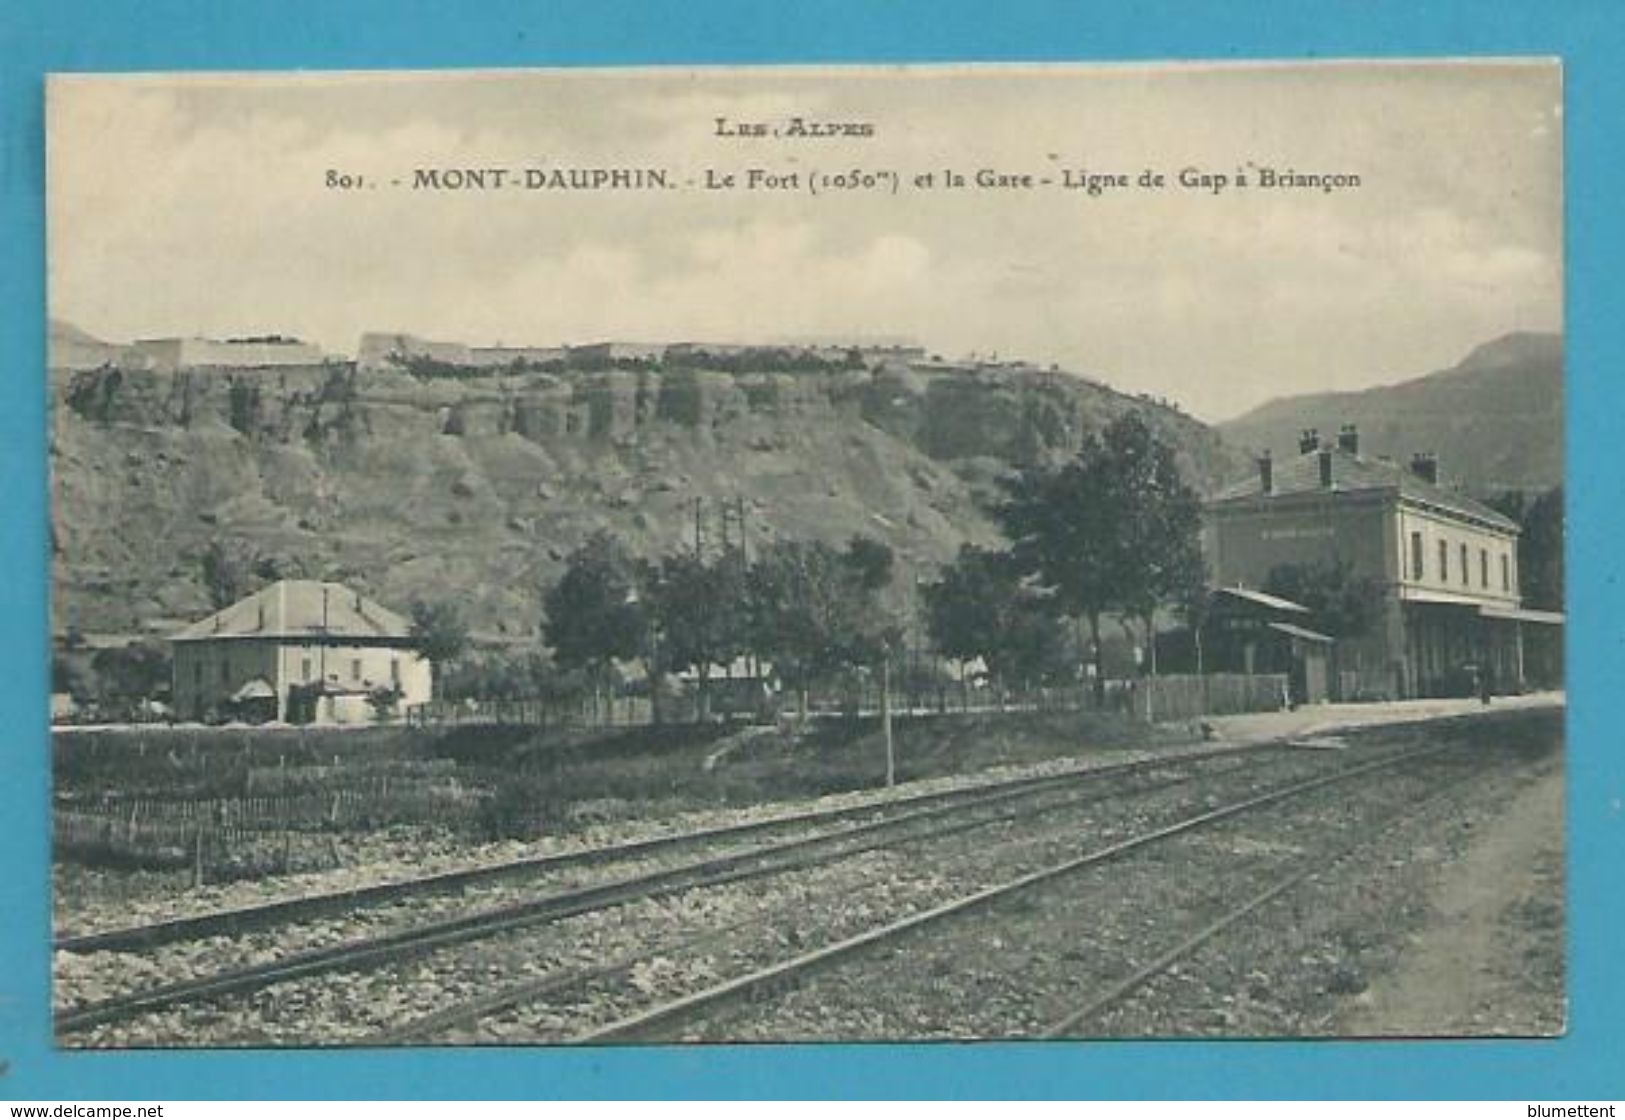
(1506, 573)
(355, 668)
(1483, 567)
(1444, 562)
(1466, 580)
(1416, 557)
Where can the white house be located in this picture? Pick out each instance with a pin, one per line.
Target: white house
(298, 650)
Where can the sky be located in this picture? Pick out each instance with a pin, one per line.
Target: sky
(200, 205)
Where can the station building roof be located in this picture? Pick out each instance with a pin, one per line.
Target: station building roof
(1352, 473)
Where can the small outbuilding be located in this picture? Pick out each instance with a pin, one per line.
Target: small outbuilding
(1254, 632)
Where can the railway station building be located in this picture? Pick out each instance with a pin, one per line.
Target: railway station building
(301, 651)
(1447, 565)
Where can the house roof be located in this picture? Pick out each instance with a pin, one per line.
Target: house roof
(1300, 474)
(301, 609)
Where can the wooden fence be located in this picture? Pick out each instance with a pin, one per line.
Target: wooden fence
(209, 851)
(388, 773)
(359, 802)
(609, 711)
(1174, 698)
(252, 835)
(1162, 698)
(1352, 685)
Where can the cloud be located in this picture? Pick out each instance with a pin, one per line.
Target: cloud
(185, 206)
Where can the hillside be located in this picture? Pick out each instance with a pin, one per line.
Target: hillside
(476, 487)
(1495, 419)
(71, 348)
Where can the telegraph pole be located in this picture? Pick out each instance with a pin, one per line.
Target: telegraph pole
(885, 719)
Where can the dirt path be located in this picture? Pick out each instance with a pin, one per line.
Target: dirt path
(1490, 957)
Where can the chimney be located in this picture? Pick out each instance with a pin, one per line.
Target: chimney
(1425, 465)
(1325, 457)
(1308, 440)
(1266, 473)
(1349, 439)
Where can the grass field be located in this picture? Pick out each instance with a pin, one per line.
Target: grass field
(235, 802)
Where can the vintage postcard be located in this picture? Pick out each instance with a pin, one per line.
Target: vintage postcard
(784, 554)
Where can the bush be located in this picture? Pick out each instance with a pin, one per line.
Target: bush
(522, 807)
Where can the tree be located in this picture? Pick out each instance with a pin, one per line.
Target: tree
(596, 612)
(1540, 545)
(870, 562)
(815, 610)
(73, 675)
(1540, 553)
(1115, 529)
(981, 607)
(385, 702)
(132, 673)
(794, 590)
(699, 613)
(439, 633)
(270, 569)
(1158, 525)
(1193, 604)
(1060, 536)
(228, 572)
(1341, 604)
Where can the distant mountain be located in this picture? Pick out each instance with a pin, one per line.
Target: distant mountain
(1495, 419)
(70, 348)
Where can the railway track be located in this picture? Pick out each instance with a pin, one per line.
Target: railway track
(240, 920)
(458, 1020)
(924, 817)
(563, 978)
(720, 998)
(1070, 1025)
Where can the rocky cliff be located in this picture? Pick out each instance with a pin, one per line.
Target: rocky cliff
(476, 487)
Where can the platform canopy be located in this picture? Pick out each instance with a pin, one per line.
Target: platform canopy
(1523, 614)
(1263, 599)
(1299, 632)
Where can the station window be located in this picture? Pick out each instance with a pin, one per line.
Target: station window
(395, 671)
(355, 668)
(1444, 562)
(304, 668)
(1483, 567)
(1416, 556)
(1466, 580)
(1506, 573)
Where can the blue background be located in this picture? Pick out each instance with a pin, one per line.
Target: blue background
(37, 36)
